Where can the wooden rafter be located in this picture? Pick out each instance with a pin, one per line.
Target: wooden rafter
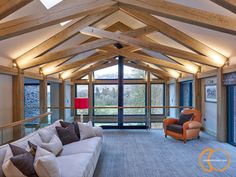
(35, 22)
(77, 64)
(7, 7)
(228, 4)
(62, 36)
(80, 49)
(146, 68)
(150, 46)
(175, 34)
(183, 13)
(156, 61)
(97, 66)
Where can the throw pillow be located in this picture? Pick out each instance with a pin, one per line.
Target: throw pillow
(18, 162)
(184, 118)
(45, 163)
(86, 130)
(32, 147)
(67, 135)
(54, 146)
(66, 124)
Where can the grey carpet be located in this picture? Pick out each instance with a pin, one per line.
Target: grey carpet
(141, 153)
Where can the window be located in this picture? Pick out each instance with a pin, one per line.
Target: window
(82, 91)
(186, 93)
(133, 73)
(106, 95)
(134, 95)
(157, 98)
(107, 73)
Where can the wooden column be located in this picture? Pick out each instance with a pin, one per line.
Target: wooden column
(221, 108)
(62, 100)
(43, 98)
(18, 103)
(90, 95)
(148, 98)
(177, 97)
(72, 92)
(197, 93)
(167, 98)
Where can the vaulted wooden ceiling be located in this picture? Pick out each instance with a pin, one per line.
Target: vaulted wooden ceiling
(87, 43)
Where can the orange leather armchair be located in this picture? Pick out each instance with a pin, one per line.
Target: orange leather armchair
(190, 129)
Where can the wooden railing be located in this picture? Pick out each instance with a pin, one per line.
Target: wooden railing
(20, 123)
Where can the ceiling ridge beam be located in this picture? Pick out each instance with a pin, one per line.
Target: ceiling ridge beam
(8, 7)
(63, 36)
(227, 4)
(150, 46)
(184, 14)
(54, 16)
(175, 34)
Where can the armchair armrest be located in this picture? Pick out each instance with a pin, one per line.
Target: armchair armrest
(169, 121)
(192, 125)
(98, 131)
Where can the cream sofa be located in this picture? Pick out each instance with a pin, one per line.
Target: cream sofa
(78, 159)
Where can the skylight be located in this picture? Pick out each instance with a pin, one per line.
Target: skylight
(50, 3)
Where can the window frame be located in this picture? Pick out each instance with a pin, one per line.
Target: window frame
(100, 115)
(145, 114)
(76, 97)
(164, 93)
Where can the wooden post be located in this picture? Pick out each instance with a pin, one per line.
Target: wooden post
(221, 108)
(197, 93)
(62, 100)
(43, 97)
(72, 92)
(90, 95)
(177, 97)
(18, 103)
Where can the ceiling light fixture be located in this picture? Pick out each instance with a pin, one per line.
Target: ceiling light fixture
(64, 23)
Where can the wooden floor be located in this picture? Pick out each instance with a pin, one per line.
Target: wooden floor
(141, 153)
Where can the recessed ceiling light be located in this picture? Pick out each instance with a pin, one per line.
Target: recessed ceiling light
(64, 23)
(50, 3)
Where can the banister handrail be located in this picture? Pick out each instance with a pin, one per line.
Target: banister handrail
(119, 107)
(13, 124)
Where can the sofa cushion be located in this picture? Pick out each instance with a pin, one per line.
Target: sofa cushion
(76, 165)
(54, 146)
(184, 118)
(47, 133)
(98, 131)
(45, 164)
(86, 130)
(23, 142)
(84, 146)
(175, 128)
(18, 162)
(76, 126)
(67, 135)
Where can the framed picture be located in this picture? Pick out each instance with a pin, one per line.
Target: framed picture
(211, 93)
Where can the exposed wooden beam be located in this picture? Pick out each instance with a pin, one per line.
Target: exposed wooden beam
(99, 65)
(206, 74)
(183, 13)
(150, 46)
(94, 58)
(176, 34)
(8, 70)
(82, 48)
(155, 61)
(7, 7)
(35, 22)
(228, 4)
(62, 36)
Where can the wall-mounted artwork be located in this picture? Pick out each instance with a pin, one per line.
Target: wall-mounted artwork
(211, 93)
